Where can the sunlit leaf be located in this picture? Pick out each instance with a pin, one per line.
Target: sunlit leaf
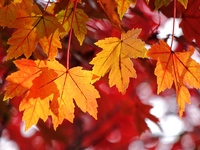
(50, 90)
(122, 6)
(178, 68)
(21, 81)
(110, 6)
(22, 42)
(50, 45)
(115, 58)
(45, 24)
(79, 24)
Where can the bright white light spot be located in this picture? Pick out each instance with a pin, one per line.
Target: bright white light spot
(147, 46)
(159, 106)
(166, 28)
(155, 130)
(6, 144)
(196, 56)
(172, 127)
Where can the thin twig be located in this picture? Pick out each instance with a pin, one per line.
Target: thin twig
(174, 17)
(70, 33)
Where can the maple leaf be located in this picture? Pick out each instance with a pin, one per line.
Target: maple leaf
(21, 81)
(79, 24)
(8, 15)
(34, 108)
(139, 111)
(17, 1)
(23, 16)
(122, 6)
(22, 41)
(45, 24)
(31, 30)
(115, 57)
(2, 3)
(72, 84)
(50, 89)
(50, 45)
(160, 3)
(109, 6)
(184, 3)
(190, 20)
(177, 67)
(25, 5)
(36, 103)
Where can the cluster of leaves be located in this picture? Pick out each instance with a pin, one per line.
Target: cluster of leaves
(50, 87)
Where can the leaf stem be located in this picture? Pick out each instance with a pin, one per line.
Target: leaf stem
(47, 5)
(174, 17)
(70, 34)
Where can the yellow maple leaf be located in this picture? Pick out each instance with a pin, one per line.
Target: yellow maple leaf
(79, 24)
(184, 3)
(115, 58)
(34, 108)
(50, 45)
(160, 3)
(177, 67)
(122, 6)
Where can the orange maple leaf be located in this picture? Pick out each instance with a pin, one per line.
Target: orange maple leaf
(2, 3)
(25, 5)
(72, 84)
(8, 15)
(50, 89)
(22, 41)
(34, 28)
(21, 81)
(110, 6)
(177, 67)
(115, 58)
